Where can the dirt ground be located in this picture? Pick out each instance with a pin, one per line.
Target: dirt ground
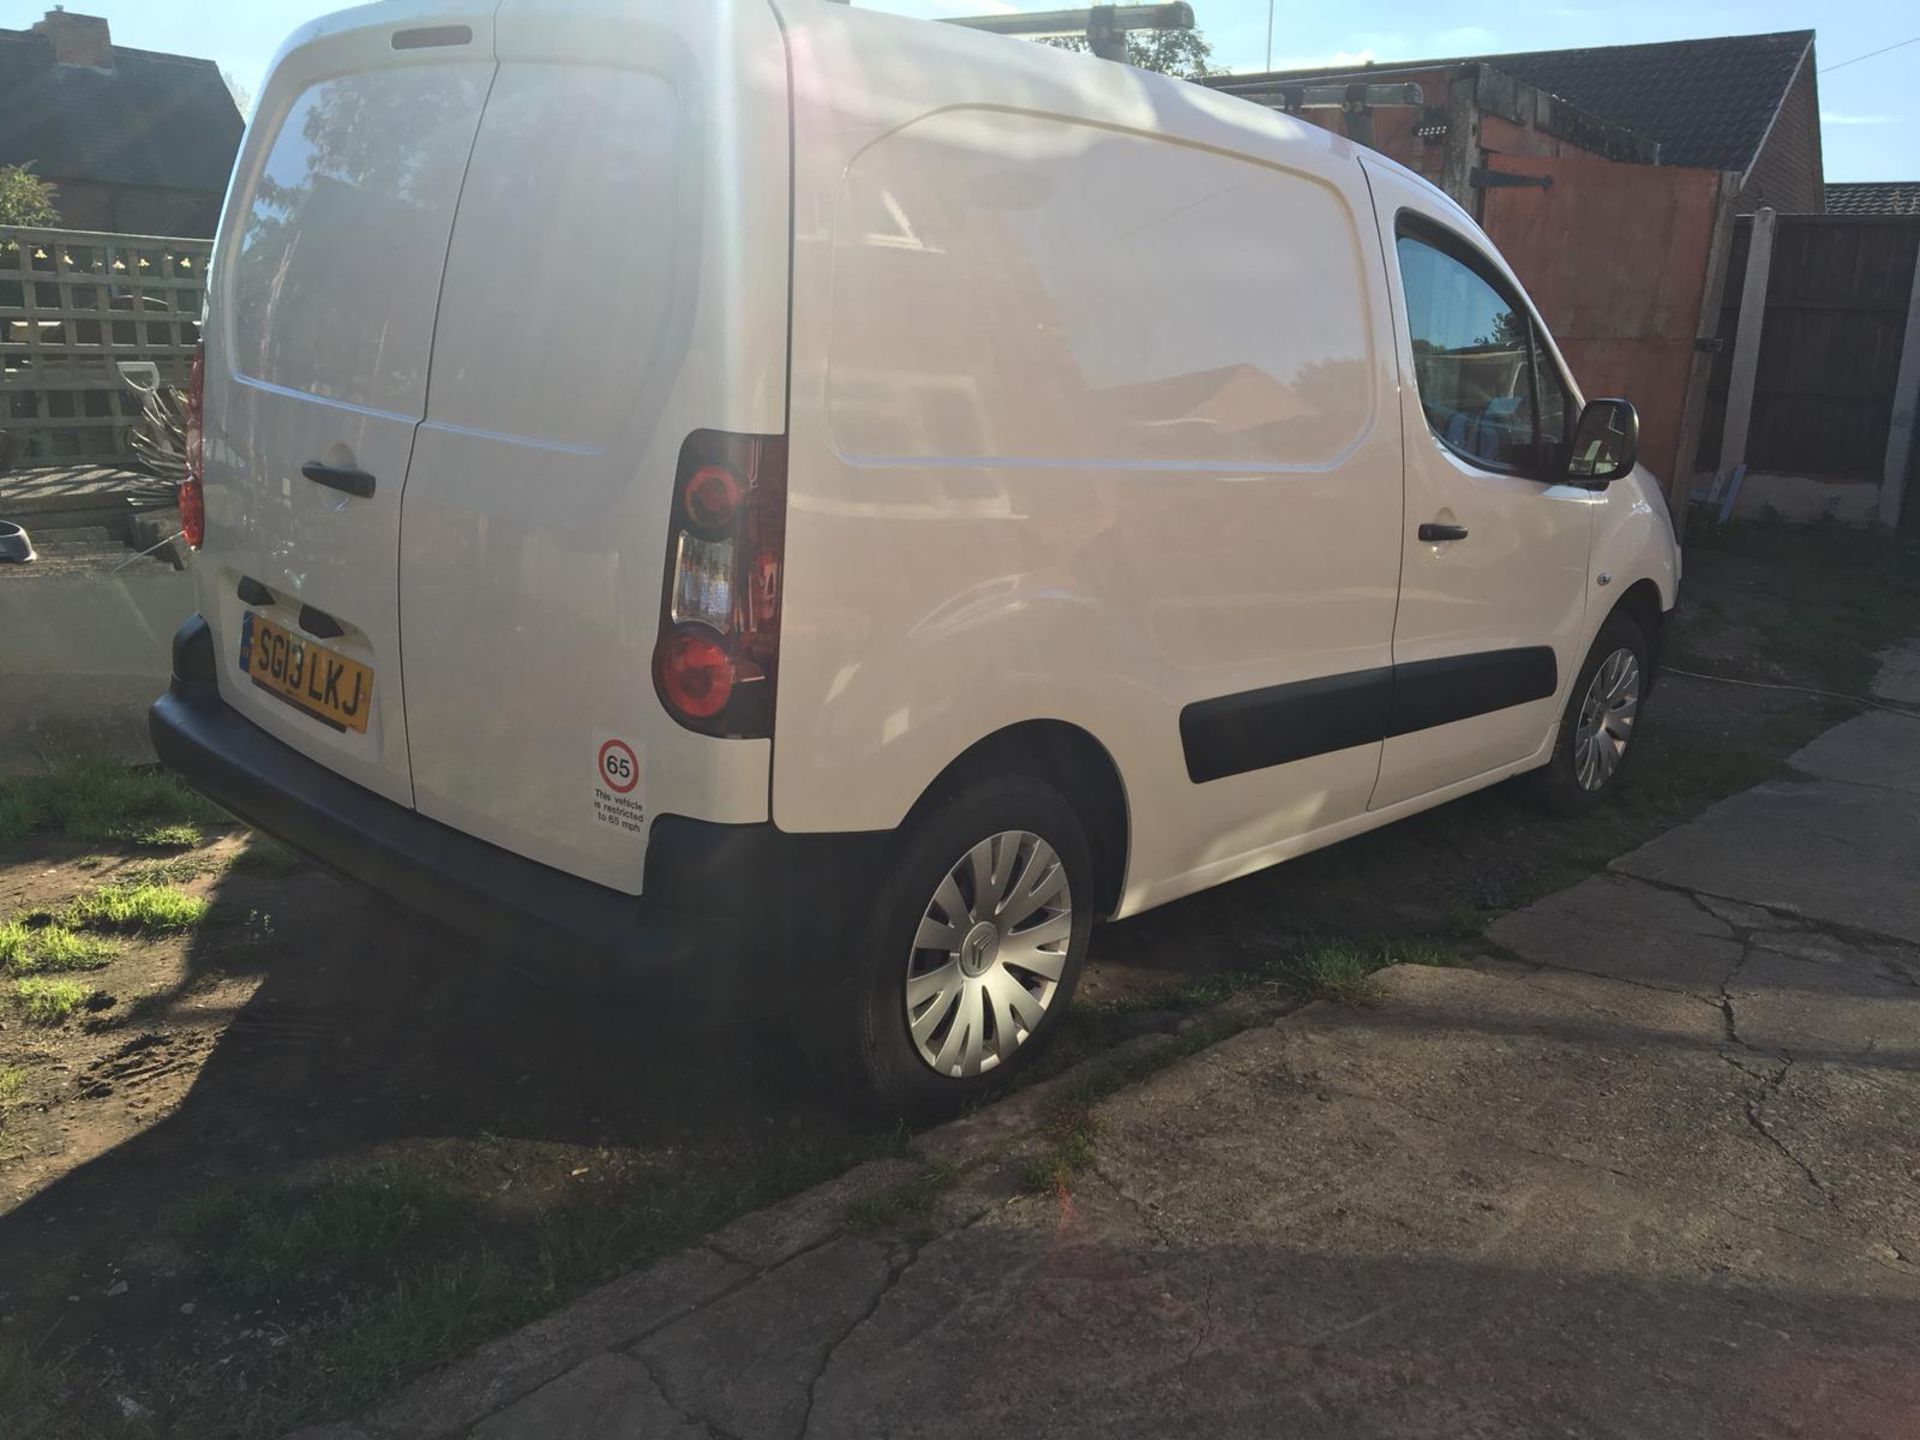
(180, 1255)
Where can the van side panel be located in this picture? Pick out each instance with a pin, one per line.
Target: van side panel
(617, 278)
(325, 278)
(1092, 420)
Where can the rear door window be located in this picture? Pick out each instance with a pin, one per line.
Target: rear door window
(336, 271)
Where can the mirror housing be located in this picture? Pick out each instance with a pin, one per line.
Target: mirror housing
(1606, 443)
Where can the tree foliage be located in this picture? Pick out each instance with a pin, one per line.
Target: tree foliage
(25, 199)
(1184, 53)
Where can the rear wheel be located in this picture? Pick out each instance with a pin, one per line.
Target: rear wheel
(971, 953)
(1597, 731)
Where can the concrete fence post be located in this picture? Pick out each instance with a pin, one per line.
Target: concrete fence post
(1746, 344)
(1713, 291)
(1906, 411)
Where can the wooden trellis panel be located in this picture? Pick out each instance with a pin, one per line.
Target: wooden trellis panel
(74, 304)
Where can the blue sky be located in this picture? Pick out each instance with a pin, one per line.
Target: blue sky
(1871, 109)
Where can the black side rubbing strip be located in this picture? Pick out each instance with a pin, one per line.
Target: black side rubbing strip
(427, 37)
(1255, 729)
(1427, 693)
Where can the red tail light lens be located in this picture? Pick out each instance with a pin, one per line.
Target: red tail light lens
(193, 507)
(712, 497)
(718, 654)
(695, 672)
(719, 649)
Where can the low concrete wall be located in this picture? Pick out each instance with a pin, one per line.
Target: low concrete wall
(83, 652)
(1809, 497)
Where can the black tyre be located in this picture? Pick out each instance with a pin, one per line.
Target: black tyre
(1597, 730)
(971, 954)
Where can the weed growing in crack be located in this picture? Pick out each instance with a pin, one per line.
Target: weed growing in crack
(905, 1205)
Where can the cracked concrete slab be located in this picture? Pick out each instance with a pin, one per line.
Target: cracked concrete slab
(1898, 678)
(1839, 852)
(1877, 748)
(1615, 926)
(610, 1397)
(1433, 1217)
(1818, 999)
(746, 1364)
(1649, 1171)
(456, 1396)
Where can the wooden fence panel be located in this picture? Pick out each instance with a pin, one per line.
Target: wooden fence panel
(1830, 350)
(74, 304)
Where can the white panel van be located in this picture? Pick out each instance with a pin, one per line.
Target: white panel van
(778, 508)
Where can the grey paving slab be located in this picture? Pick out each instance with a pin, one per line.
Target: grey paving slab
(766, 1237)
(1649, 1172)
(450, 1399)
(610, 1397)
(1497, 1205)
(1842, 853)
(1616, 926)
(1899, 675)
(1877, 748)
(746, 1364)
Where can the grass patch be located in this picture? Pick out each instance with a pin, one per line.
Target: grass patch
(174, 870)
(1341, 972)
(29, 1389)
(51, 948)
(13, 1080)
(46, 1001)
(1068, 1133)
(92, 801)
(280, 1243)
(144, 909)
(380, 1272)
(1830, 598)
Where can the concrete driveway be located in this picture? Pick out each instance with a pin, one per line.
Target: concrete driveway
(1648, 1168)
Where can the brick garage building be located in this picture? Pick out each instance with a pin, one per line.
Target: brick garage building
(135, 141)
(1609, 177)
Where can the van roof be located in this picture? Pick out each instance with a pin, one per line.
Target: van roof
(1021, 73)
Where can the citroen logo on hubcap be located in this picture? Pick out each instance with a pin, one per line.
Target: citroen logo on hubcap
(979, 950)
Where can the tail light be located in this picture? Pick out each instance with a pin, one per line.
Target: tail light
(718, 654)
(193, 505)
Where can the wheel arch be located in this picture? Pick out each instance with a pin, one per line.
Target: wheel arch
(1641, 602)
(1069, 758)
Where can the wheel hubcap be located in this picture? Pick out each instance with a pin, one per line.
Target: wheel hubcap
(987, 958)
(1607, 713)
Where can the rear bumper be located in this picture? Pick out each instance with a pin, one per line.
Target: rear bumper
(738, 921)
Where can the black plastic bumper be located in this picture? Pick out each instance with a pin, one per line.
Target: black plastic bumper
(735, 920)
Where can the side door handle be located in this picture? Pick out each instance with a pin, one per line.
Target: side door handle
(1436, 533)
(340, 477)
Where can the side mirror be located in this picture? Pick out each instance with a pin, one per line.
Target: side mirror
(1606, 443)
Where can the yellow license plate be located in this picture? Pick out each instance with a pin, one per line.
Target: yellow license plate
(322, 682)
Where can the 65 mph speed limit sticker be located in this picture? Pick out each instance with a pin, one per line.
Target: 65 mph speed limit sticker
(617, 794)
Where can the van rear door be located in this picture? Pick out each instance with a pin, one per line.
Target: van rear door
(616, 281)
(322, 310)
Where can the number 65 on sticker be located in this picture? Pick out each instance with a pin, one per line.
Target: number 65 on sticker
(617, 765)
(618, 800)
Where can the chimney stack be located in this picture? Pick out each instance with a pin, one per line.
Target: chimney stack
(77, 39)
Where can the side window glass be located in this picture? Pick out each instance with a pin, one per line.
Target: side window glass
(1556, 408)
(1472, 358)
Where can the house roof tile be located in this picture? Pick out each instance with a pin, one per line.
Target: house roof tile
(1874, 197)
(1707, 102)
(153, 119)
